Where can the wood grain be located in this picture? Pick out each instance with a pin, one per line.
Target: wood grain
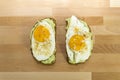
(106, 76)
(17, 18)
(45, 76)
(12, 57)
(114, 3)
(84, 11)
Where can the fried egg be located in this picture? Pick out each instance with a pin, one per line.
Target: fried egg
(78, 40)
(43, 39)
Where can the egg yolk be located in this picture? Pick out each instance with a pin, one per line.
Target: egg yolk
(76, 42)
(41, 33)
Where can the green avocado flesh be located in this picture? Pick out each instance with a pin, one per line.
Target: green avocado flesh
(51, 22)
(50, 60)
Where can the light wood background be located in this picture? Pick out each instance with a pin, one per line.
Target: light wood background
(17, 18)
(45, 76)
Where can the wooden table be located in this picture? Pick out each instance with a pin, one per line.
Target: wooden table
(18, 16)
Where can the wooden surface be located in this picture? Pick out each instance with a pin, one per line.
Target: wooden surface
(106, 76)
(45, 76)
(18, 16)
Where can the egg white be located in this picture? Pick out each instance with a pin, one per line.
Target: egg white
(39, 51)
(80, 56)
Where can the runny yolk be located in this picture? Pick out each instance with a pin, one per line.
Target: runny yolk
(76, 42)
(41, 33)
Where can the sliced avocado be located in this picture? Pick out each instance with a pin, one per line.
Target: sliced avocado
(50, 60)
(51, 22)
